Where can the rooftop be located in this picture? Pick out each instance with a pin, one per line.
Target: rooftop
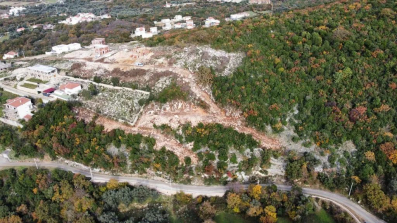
(16, 102)
(42, 68)
(69, 86)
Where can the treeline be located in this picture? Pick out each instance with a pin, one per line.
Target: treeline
(31, 195)
(40, 195)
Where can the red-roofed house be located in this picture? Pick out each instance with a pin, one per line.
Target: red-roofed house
(10, 55)
(18, 108)
(70, 88)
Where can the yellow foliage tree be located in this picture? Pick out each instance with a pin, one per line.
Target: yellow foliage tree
(233, 202)
(112, 184)
(370, 156)
(255, 191)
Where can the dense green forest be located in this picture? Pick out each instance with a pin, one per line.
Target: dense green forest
(40, 195)
(328, 72)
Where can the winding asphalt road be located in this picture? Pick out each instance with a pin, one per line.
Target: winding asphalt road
(355, 210)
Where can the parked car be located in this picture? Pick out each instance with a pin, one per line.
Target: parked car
(139, 64)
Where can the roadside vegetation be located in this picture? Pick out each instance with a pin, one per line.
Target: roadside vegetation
(40, 195)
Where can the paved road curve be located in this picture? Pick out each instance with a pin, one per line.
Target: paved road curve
(358, 213)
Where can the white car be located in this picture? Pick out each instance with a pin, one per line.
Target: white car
(139, 64)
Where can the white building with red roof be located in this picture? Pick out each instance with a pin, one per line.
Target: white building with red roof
(18, 108)
(10, 55)
(70, 88)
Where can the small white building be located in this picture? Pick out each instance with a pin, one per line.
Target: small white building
(178, 25)
(165, 21)
(10, 55)
(167, 5)
(177, 18)
(167, 26)
(153, 30)
(210, 21)
(21, 29)
(42, 72)
(16, 10)
(186, 18)
(190, 24)
(140, 31)
(18, 108)
(239, 16)
(58, 49)
(147, 35)
(70, 88)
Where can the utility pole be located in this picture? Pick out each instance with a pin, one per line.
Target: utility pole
(351, 187)
(91, 174)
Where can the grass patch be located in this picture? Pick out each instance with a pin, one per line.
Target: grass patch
(319, 216)
(230, 218)
(30, 86)
(4, 38)
(4, 96)
(35, 80)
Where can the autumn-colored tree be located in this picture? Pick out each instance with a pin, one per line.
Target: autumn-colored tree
(370, 156)
(207, 211)
(270, 215)
(254, 211)
(376, 198)
(112, 184)
(11, 219)
(255, 191)
(182, 198)
(233, 202)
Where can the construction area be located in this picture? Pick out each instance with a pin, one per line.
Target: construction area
(141, 71)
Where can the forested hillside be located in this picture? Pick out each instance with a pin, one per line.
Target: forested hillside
(329, 72)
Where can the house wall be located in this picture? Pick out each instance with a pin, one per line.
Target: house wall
(73, 91)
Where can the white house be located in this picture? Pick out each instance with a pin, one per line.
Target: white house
(167, 26)
(178, 25)
(83, 17)
(70, 88)
(153, 30)
(16, 10)
(21, 29)
(189, 24)
(165, 20)
(10, 55)
(239, 16)
(42, 72)
(177, 18)
(64, 48)
(147, 35)
(210, 21)
(167, 5)
(18, 108)
(140, 31)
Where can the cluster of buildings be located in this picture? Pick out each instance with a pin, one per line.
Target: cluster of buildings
(178, 22)
(141, 31)
(63, 48)
(14, 11)
(22, 107)
(84, 17)
(176, 4)
(210, 21)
